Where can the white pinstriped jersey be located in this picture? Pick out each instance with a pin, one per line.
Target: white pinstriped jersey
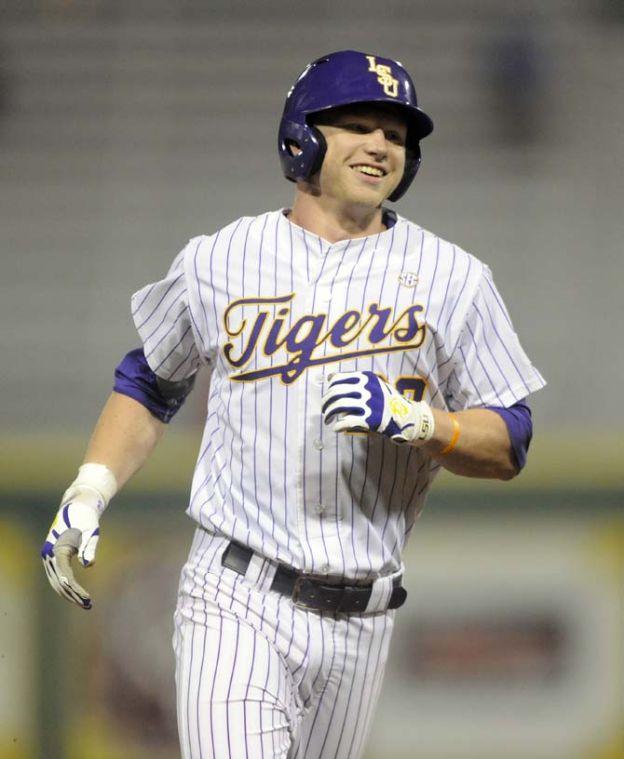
(275, 309)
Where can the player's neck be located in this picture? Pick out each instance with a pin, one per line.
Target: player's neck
(334, 223)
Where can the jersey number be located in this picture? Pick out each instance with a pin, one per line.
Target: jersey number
(413, 388)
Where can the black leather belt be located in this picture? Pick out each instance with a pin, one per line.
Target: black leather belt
(310, 591)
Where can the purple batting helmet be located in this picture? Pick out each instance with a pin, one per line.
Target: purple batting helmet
(345, 78)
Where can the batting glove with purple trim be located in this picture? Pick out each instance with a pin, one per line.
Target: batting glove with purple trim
(363, 402)
(74, 531)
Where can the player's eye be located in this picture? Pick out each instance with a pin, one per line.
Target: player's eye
(354, 127)
(395, 137)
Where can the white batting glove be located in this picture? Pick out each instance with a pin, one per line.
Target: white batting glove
(75, 531)
(363, 402)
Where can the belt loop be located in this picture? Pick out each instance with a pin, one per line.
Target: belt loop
(267, 573)
(380, 595)
(381, 592)
(260, 572)
(255, 569)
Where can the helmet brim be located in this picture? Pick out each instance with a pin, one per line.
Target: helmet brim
(419, 124)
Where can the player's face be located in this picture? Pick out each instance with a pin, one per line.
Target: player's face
(365, 155)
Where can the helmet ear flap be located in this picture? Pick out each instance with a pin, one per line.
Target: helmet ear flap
(312, 146)
(320, 151)
(412, 163)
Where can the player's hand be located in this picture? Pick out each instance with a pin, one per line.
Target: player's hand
(363, 402)
(74, 532)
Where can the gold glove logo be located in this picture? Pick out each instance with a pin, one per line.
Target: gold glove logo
(399, 407)
(384, 76)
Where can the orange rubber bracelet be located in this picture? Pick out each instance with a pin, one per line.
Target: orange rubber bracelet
(454, 438)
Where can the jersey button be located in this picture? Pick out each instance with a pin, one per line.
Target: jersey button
(319, 508)
(318, 444)
(325, 569)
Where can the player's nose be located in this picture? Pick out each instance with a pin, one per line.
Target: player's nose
(376, 142)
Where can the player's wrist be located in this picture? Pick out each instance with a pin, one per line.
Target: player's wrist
(447, 433)
(95, 486)
(423, 420)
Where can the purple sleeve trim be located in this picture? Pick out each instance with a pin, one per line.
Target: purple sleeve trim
(520, 427)
(134, 378)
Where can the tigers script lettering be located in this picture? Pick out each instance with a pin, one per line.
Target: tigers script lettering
(354, 333)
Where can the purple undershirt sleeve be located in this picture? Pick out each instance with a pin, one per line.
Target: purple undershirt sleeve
(520, 426)
(134, 378)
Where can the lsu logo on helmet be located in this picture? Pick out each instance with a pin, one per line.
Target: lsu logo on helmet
(384, 76)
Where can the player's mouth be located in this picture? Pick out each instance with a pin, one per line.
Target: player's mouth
(369, 172)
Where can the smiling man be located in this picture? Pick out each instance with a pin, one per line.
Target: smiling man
(363, 164)
(353, 355)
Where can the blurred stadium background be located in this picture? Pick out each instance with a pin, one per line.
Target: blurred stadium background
(128, 127)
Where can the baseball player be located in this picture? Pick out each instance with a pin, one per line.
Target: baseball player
(353, 354)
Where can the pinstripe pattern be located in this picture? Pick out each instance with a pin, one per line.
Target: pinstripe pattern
(257, 677)
(269, 474)
(274, 309)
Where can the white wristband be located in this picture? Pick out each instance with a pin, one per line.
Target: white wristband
(97, 481)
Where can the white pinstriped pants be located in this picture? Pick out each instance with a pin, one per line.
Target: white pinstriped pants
(259, 678)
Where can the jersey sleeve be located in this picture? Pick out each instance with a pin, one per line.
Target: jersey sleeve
(490, 367)
(163, 319)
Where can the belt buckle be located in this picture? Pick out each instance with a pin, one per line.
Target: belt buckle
(304, 591)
